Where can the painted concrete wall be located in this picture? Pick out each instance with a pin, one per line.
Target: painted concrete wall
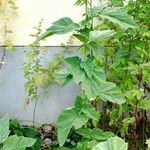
(30, 12)
(12, 93)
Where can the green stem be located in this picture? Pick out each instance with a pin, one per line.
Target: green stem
(86, 8)
(2, 61)
(92, 23)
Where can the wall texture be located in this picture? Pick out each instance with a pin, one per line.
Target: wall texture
(30, 12)
(12, 93)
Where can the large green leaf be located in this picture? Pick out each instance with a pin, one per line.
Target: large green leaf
(85, 107)
(88, 74)
(17, 143)
(101, 35)
(62, 26)
(68, 119)
(119, 16)
(80, 2)
(117, 2)
(75, 117)
(110, 92)
(81, 37)
(62, 76)
(95, 133)
(113, 143)
(90, 112)
(4, 128)
(116, 15)
(144, 104)
(83, 145)
(101, 135)
(93, 82)
(75, 69)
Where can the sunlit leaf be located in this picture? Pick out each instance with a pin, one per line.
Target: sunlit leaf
(93, 81)
(62, 26)
(119, 16)
(95, 133)
(75, 117)
(80, 2)
(4, 128)
(15, 142)
(144, 104)
(101, 35)
(113, 143)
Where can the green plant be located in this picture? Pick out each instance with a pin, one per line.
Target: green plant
(33, 72)
(36, 74)
(148, 144)
(33, 68)
(112, 144)
(126, 57)
(90, 72)
(16, 128)
(12, 142)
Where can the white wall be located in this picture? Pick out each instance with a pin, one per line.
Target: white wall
(30, 12)
(12, 92)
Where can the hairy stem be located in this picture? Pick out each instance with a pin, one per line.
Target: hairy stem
(2, 61)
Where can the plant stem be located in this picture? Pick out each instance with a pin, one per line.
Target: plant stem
(139, 78)
(92, 23)
(34, 113)
(86, 9)
(3, 57)
(2, 61)
(86, 14)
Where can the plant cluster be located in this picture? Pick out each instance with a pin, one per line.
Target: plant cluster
(113, 54)
(127, 63)
(112, 71)
(36, 73)
(12, 142)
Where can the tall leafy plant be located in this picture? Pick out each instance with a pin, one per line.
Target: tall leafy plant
(86, 71)
(36, 74)
(126, 59)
